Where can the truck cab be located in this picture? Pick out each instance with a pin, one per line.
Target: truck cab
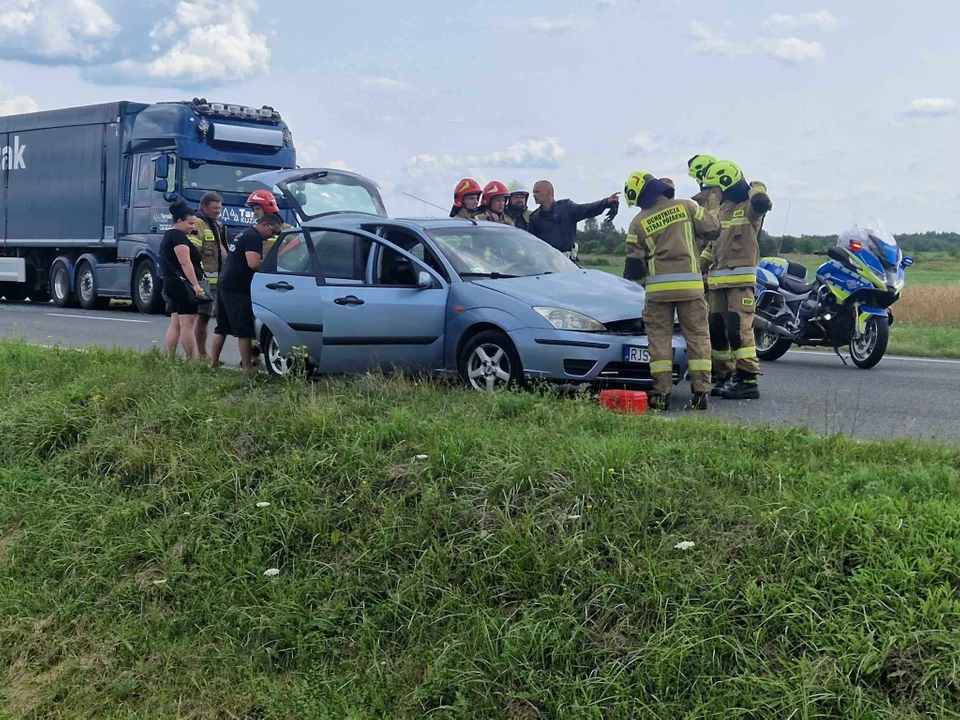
(87, 202)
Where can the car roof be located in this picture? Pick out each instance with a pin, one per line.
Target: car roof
(356, 220)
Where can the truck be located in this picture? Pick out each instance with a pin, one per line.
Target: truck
(86, 191)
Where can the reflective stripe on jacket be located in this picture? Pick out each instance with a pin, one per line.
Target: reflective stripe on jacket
(664, 238)
(736, 253)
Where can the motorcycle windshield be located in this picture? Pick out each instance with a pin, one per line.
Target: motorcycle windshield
(884, 241)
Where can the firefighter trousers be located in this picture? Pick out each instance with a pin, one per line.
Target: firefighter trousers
(731, 331)
(658, 319)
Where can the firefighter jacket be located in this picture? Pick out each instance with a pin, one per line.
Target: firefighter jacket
(211, 245)
(734, 256)
(662, 239)
(464, 214)
(491, 216)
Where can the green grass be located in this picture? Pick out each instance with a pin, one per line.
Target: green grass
(916, 340)
(525, 567)
(934, 269)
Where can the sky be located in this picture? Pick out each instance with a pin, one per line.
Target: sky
(839, 107)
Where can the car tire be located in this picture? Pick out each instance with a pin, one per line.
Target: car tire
(87, 289)
(277, 365)
(489, 361)
(60, 286)
(147, 288)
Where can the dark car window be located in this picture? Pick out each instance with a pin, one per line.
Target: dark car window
(293, 256)
(342, 256)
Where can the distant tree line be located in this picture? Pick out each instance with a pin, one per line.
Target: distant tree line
(606, 239)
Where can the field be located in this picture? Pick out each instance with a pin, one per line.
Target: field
(927, 317)
(181, 543)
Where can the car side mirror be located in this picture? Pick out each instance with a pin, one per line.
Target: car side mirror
(838, 254)
(907, 262)
(424, 280)
(162, 166)
(160, 186)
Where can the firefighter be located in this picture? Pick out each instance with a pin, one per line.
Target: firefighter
(732, 280)
(661, 253)
(517, 205)
(466, 198)
(494, 204)
(263, 202)
(213, 252)
(708, 198)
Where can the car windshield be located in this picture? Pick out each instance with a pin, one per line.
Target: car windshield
(198, 175)
(332, 193)
(498, 251)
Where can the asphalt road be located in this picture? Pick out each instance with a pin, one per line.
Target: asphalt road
(902, 397)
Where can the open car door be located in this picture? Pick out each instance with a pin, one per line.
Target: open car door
(315, 192)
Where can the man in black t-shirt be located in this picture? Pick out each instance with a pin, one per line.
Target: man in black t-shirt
(234, 305)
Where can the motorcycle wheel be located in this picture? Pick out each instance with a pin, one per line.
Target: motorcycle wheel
(769, 346)
(869, 349)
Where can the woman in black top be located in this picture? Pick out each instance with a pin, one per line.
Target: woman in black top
(179, 259)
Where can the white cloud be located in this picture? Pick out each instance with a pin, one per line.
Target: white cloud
(219, 45)
(18, 105)
(545, 153)
(710, 43)
(606, 3)
(55, 31)
(387, 84)
(643, 142)
(550, 27)
(309, 153)
(794, 50)
(421, 165)
(931, 107)
(339, 165)
(822, 20)
(790, 50)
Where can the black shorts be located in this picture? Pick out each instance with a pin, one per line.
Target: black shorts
(234, 314)
(177, 301)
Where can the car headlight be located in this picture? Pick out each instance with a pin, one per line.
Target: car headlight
(569, 320)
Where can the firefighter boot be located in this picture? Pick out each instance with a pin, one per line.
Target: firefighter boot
(658, 402)
(743, 387)
(721, 384)
(700, 401)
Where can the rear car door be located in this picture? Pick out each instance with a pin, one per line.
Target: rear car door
(287, 294)
(375, 314)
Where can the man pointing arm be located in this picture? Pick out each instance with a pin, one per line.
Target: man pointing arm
(555, 221)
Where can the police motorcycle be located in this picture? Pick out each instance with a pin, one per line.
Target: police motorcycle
(847, 304)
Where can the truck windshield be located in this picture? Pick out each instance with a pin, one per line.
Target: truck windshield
(219, 177)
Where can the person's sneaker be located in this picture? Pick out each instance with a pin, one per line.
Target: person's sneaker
(720, 385)
(743, 387)
(700, 401)
(658, 402)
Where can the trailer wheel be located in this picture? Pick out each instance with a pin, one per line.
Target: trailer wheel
(60, 286)
(87, 289)
(146, 288)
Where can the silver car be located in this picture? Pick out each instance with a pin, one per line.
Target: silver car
(354, 290)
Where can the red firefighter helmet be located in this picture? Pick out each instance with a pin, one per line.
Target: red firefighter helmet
(467, 186)
(493, 189)
(265, 199)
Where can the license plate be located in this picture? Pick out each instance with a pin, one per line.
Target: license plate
(636, 355)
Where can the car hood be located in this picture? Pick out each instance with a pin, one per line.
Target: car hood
(604, 297)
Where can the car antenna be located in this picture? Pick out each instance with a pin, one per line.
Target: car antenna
(425, 202)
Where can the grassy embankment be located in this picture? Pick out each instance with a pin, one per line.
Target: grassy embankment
(181, 543)
(927, 317)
